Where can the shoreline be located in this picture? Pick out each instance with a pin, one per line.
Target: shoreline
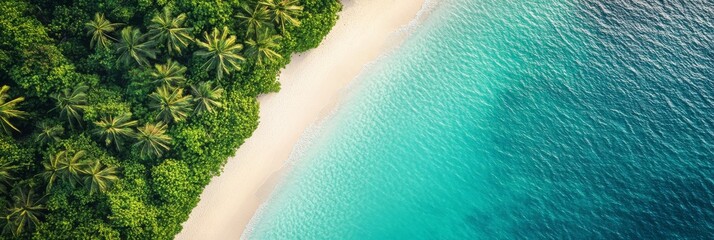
(311, 87)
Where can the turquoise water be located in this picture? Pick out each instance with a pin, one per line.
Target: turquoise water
(519, 119)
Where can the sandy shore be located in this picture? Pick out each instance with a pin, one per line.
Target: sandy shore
(310, 84)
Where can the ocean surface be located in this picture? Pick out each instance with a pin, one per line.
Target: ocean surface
(509, 119)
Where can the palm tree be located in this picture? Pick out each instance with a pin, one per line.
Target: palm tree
(24, 213)
(115, 129)
(284, 11)
(152, 140)
(48, 132)
(71, 104)
(264, 47)
(8, 110)
(98, 178)
(168, 29)
(72, 167)
(255, 17)
(99, 29)
(221, 52)
(172, 104)
(207, 97)
(6, 169)
(61, 166)
(133, 45)
(53, 168)
(171, 73)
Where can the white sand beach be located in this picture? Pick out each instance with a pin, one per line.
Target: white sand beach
(311, 84)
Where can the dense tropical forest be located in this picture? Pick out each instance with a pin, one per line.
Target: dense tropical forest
(115, 114)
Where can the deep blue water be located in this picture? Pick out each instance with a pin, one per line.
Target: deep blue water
(519, 119)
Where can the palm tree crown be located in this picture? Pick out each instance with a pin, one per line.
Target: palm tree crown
(134, 46)
(284, 11)
(255, 18)
(172, 104)
(168, 29)
(8, 110)
(62, 166)
(98, 177)
(221, 52)
(6, 169)
(48, 132)
(152, 140)
(264, 47)
(24, 213)
(171, 73)
(113, 130)
(207, 97)
(53, 168)
(71, 104)
(99, 29)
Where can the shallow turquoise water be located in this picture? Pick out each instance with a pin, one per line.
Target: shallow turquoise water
(511, 120)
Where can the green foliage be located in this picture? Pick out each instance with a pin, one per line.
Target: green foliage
(171, 181)
(205, 15)
(19, 156)
(210, 138)
(100, 61)
(103, 102)
(71, 64)
(64, 22)
(318, 19)
(38, 67)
